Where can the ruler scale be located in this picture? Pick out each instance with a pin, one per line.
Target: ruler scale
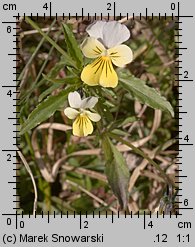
(97, 229)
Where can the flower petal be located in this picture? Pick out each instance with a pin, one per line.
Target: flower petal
(74, 99)
(95, 117)
(71, 113)
(82, 126)
(108, 76)
(114, 33)
(89, 102)
(92, 72)
(120, 55)
(92, 48)
(96, 29)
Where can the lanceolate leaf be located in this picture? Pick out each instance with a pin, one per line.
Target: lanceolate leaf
(67, 80)
(45, 109)
(48, 91)
(146, 94)
(72, 46)
(117, 171)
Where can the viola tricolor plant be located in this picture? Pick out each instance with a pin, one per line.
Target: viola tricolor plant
(95, 74)
(105, 46)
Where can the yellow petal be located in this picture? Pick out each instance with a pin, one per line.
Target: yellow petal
(108, 76)
(92, 48)
(82, 126)
(92, 72)
(120, 55)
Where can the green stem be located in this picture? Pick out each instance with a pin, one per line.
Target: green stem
(145, 156)
(47, 194)
(51, 41)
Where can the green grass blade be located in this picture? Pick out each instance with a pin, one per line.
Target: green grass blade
(51, 41)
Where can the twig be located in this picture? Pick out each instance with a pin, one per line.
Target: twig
(148, 33)
(136, 173)
(141, 153)
(32, 178)
(35, 31)
(87, 172)
(125, 19)
(50, 151)
(51, 175)
(92, 196)
(43, 169)
(151, 175)
(138, 116)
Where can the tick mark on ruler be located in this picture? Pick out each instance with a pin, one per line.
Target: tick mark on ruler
(144, 220)
(10, 22)
(185, 208)
(82, 13)
(181, 48)
(14, 54)
(184, 16)
(183, 80)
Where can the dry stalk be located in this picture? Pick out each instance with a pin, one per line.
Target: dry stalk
(92, 196)
(32, 178)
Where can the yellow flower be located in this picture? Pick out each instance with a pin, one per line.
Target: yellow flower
(104, 44)
(82, 125)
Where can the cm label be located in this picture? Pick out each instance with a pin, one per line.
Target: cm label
(9, 6)
(184, 224)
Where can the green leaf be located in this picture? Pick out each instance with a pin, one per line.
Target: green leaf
(141, 153)
(104, 110)
(49, 91)
(66, 80)
(117, 171)
(146, 94)
(54, 70)
(45, 109)
(72, 46)
(121, 122)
